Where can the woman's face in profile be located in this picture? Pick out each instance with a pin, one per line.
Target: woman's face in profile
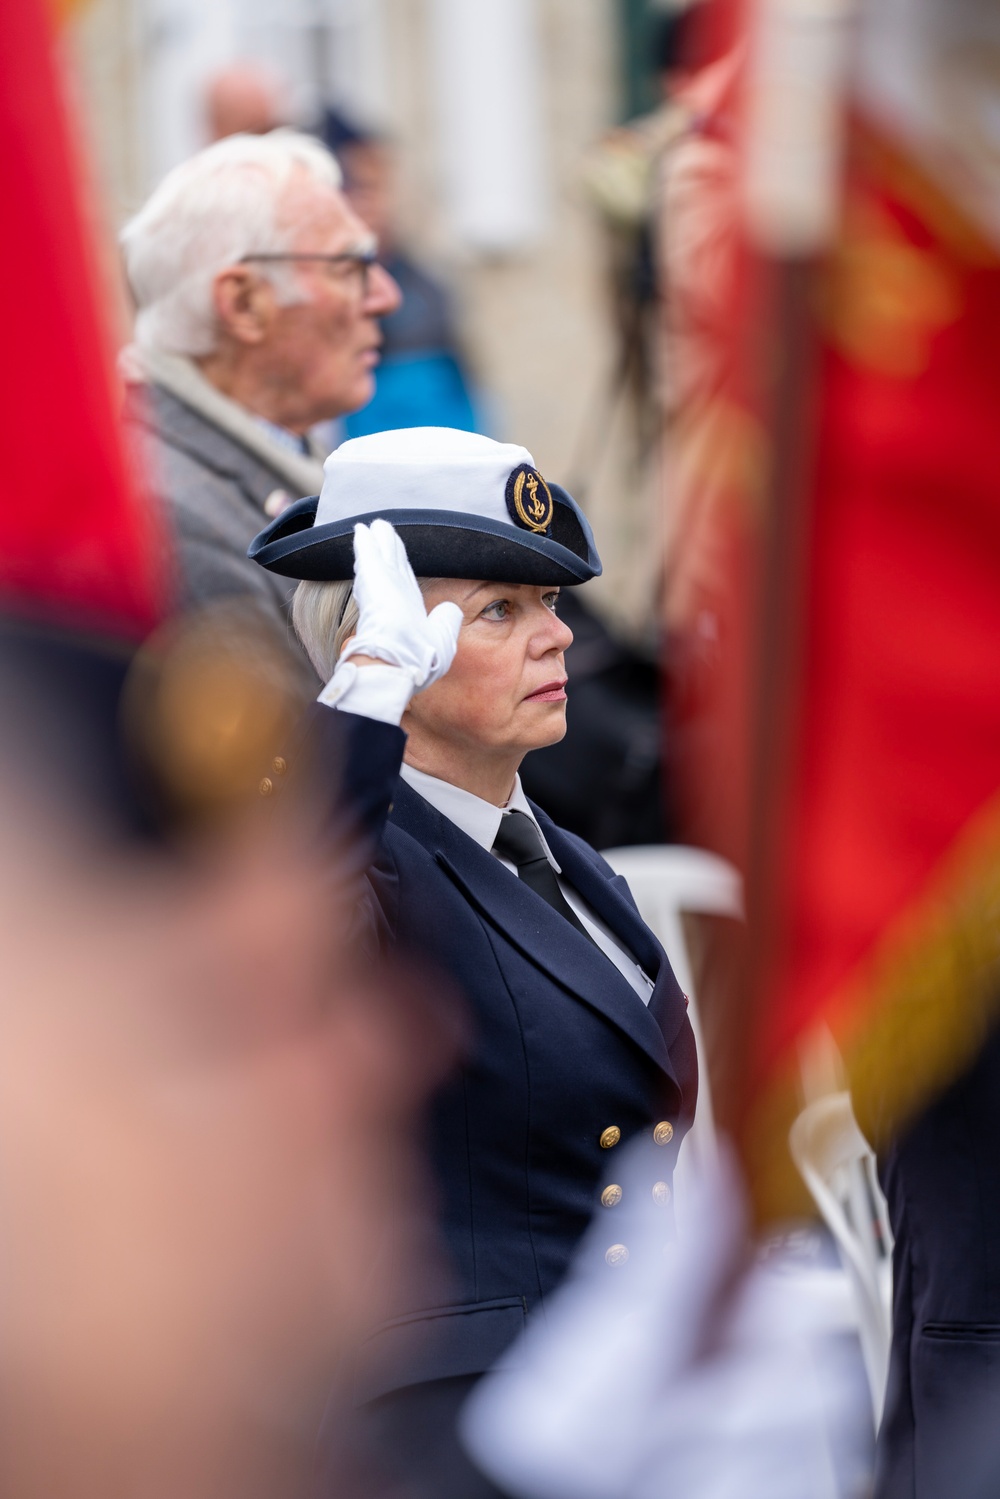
(506, 687)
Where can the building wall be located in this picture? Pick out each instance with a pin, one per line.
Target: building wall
(537, 321)
(535, 316)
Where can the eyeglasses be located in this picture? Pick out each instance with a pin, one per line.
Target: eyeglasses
(361, 260)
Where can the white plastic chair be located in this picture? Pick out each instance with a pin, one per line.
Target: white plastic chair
(669, 881)
(838, 1166)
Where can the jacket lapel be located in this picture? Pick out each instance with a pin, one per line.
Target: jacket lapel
(530, 925)
(610, 900)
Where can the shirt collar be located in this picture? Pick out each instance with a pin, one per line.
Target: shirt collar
(281, 435)
(477, 818)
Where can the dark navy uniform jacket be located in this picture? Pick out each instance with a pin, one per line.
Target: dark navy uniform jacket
(939, 1437)
(562, 1052)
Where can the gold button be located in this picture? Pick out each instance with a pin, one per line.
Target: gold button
(279, 765)
(611, 1196)
(391, 805)
(664, 1132)
(266, 786)
(610, 1136)
(616, 1255)
(661, 1194)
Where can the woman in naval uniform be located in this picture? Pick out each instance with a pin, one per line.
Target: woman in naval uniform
(437, 686)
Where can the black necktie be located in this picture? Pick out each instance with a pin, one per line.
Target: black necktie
(520, 841)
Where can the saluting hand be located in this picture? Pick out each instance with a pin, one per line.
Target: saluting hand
(393, 622)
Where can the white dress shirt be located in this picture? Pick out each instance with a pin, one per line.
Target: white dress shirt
(481, 821)
(293, 441)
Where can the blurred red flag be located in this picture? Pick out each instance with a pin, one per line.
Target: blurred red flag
(855, 696)
(78, 544)
(887, 858)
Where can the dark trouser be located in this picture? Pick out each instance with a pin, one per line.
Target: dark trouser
(412, 1433)
(404, 1446)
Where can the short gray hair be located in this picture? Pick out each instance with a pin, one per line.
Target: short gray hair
(325, 616)
(208, 213)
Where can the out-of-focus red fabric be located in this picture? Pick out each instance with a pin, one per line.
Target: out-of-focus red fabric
(900, 698)
(77, 543)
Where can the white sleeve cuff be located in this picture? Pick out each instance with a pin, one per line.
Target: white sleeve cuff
(379, 692)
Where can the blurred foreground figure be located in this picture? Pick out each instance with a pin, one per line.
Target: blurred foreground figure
(203, 1132)
(204, 1108)
(245, 99)
(257, 295)
(690, 1373)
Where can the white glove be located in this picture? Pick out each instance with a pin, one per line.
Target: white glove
(393, 626)
(393, 623)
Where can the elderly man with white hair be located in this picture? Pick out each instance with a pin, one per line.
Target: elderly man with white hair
(257, 295)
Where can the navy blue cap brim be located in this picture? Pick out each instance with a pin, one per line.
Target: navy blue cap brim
(439, 544)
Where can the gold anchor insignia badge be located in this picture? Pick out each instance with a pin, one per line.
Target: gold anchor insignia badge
(532, 500)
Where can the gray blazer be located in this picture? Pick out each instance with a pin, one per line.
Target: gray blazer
(214, 490)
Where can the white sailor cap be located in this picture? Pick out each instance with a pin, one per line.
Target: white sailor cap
(464, 506)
